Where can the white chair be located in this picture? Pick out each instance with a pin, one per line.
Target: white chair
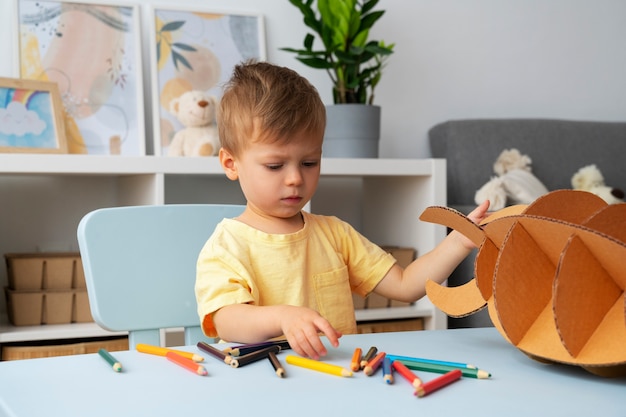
(140, 266)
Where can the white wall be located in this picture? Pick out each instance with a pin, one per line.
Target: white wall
(456, 59)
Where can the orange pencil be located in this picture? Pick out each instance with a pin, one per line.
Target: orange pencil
(373, 365)
(440, 382)
(186, 363)
(406, 373)
(355, 365)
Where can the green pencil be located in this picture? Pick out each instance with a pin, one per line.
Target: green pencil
(442, 369)
(117, 367)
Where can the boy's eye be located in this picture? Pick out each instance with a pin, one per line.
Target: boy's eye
(309, 163)
(274, 167)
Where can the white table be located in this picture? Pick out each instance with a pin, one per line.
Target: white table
(84, 385)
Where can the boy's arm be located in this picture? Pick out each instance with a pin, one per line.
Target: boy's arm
(246, 323)
(409, 284)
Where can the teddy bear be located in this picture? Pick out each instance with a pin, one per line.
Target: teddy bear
(514, 183)
(199, 137)
(589, 178)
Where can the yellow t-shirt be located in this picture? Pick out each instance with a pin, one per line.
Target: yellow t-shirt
(318, 267)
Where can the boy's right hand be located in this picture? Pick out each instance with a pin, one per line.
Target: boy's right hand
(302, 326)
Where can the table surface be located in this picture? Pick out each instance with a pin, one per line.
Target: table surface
(85, 385)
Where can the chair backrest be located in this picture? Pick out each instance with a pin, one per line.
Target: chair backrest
(140, 266)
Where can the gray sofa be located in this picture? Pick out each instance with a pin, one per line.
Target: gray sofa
(558, 148)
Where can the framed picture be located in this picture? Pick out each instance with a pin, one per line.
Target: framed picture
(31, 117)
(93, 52)
(196, 50)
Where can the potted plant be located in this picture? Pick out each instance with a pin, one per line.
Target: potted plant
(354, 64)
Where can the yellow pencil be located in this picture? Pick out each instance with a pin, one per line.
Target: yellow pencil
(317, 365)
(161, 351)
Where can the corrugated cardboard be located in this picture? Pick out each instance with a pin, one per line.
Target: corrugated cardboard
(552, 276)
(45, 271)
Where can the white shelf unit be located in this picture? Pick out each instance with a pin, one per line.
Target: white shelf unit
(44, 197)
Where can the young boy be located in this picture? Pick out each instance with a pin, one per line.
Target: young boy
(276, 269)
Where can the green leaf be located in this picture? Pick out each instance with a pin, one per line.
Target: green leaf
(171, 26)
(184, 47)
(176, 57)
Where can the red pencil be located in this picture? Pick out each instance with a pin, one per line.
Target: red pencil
(186, 363)
(440, 382)
(374, 364)
(406, 373)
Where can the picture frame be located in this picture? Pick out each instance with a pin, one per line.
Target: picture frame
(196, 49)
(93, 52)
(31, 114)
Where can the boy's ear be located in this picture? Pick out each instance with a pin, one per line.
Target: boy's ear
(228, 164)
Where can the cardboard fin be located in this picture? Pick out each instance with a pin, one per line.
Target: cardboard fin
(543, 341)
(583, 294)
(522, 283)
(459, 301)
(572, 206)
(454, 220)
(606, 346)
(604, 221)
(484, 268)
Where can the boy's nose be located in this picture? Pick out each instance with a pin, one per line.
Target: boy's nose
(294, 177)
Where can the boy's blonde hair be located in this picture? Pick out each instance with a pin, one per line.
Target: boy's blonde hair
(270, 101)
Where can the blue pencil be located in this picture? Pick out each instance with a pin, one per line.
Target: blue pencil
(387, 370)
(433, 361)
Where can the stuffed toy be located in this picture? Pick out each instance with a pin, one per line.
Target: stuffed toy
(514, 183)
(589, 178)
(199, 137)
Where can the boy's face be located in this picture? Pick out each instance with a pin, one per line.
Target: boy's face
(278, 179)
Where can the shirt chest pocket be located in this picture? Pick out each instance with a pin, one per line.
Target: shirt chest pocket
(334, 299)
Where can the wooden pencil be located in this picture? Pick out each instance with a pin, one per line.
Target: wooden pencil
(442, 369)
(406, 373)
(387, 370)
(373, 365)
(439, 382)
(186, 363)
(254, 356)
(227, 359)
(435, 361)
(355, 364)
(278, 367)
(368, 356)
(240, 350)
(318, 366)
(161, 351)
(115, 365)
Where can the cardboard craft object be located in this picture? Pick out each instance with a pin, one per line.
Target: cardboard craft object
(552, 275)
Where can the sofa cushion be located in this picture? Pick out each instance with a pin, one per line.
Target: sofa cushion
(558, 148)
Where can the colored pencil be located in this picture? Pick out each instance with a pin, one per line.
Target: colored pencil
(373, 365)
(278, 367)
(355, 365)
(435, 361)
(227, 359)
(368, 356)
(251, 347)
(254, 356)
(161, 351)
(186, 363)
(406, 373)
(387, 370)
(117, 367)
(318, 366)
(439, 382)
(442, 369)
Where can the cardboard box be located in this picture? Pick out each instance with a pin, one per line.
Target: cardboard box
(44, 271)
(19, 351)
(552, 277)
(32, 308)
